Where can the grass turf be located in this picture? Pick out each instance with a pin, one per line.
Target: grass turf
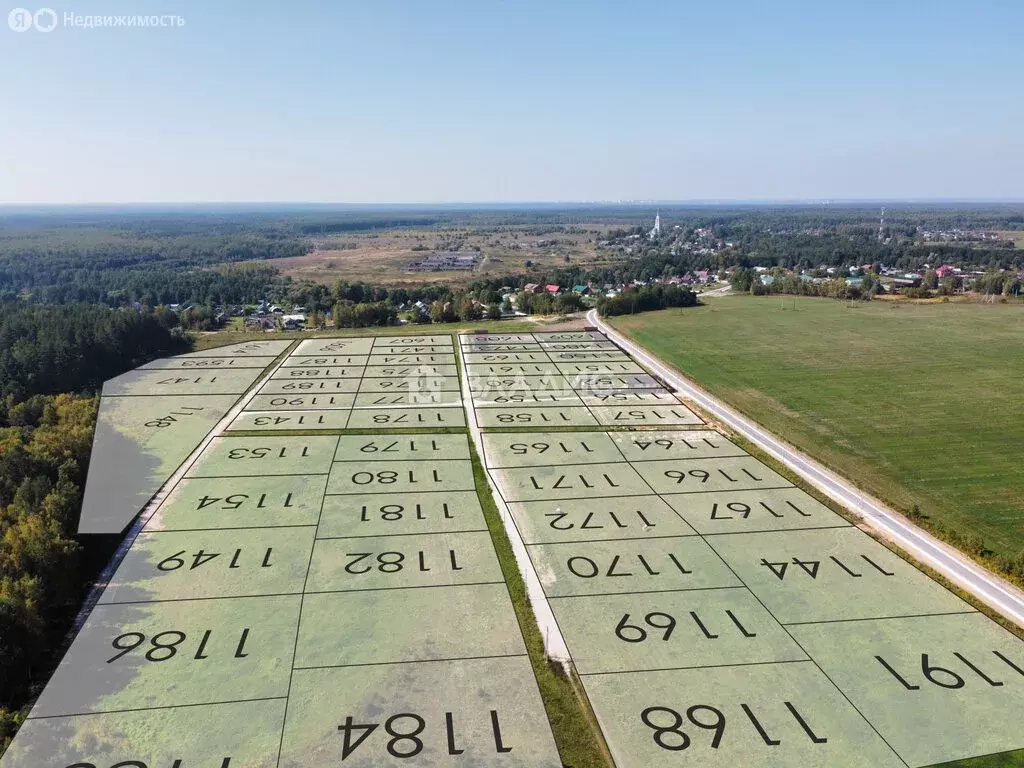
(915, 403)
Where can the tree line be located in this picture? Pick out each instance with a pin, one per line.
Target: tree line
(52, 362)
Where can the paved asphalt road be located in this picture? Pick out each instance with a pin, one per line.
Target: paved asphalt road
(990, 589)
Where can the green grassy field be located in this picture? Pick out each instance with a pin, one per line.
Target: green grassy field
(918, 404)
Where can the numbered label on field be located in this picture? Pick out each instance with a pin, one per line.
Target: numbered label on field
(701, 475)
(401, 447)
(388, 626)
(175, 653)
(496, 338)
(418, 418)
(406, 371)
(511, 369)
(185, 565)
(655, 565)
(615, 398)
(479, 713)
(289, 420)
(263, 456)
(499, 347)
(640, 414)
(327, 347)
(324, 361)
(925, 682)
(535, 417)
(413, 398)
(410, 358)
(527, 449)
(573, 369)
(623, 517)
(248, 733)
(595, 383)
(435, 340)
(400, 513)
(751, 511)
(569, 481)
(400, 476)
(293, 401)
(310, 387)
(675, 444)
(831, 574)
(205, 363)
(514, 399)
(392, 562)
(672, 630)
(258, 502)
(485, 386)
(157, 382)
(756, 715)
(319, 372)
(393, 385)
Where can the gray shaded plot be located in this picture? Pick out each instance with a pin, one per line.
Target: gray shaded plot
(400, 384)
(246, 349)
(829, 575)
(527, 400)
(505, 358)
(173, 654)
(302, 401)
(511, 369)
(322, 372)
(400, 513)
(570, 336)
(572, 369)
(518, 383)
(377, 360)
(324, 361)
(645, 415)
(752, 511)
(614, 382)
(482, 713)
(189, 363)
(625, 517)
(569, 481)
(385, 478)
(232, 502)
(738, 473)
(938, 688)
(496, 338)
(309, 387)
(628, 399)
(502, 449)
(246, 733)
(295, 420)
(138, 444)
(415, 398)
(393, 562)
(568, 416)
(675, 444)
(596, 356)
(216, 382)
(759, 716)
(401, 447)
(638, 565)
(264, 456)
(397, 625)
(340, 346)
(185, 565)
(413, 372)
(419, 418)
(438, 340)
(671, 630)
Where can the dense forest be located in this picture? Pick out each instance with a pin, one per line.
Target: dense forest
(52, 362)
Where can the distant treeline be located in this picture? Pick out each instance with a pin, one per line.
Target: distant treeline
(646, 299)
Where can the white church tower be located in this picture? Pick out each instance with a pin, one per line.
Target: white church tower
(657, 226)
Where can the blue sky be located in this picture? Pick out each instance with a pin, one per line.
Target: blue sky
(425, 101)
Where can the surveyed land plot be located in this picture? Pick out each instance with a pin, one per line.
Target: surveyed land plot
(184, 565)
(208, 503)
(239, 733)
(166, 654)
(469, 713)
(162, 382)
(550, 416)
(937, 688)
(290, 420)
(776, 629)
(139, 443)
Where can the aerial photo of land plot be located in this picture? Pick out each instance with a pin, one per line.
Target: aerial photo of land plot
(512, 385)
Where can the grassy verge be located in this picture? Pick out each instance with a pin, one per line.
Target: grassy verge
(912, 403)
(577, 736)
